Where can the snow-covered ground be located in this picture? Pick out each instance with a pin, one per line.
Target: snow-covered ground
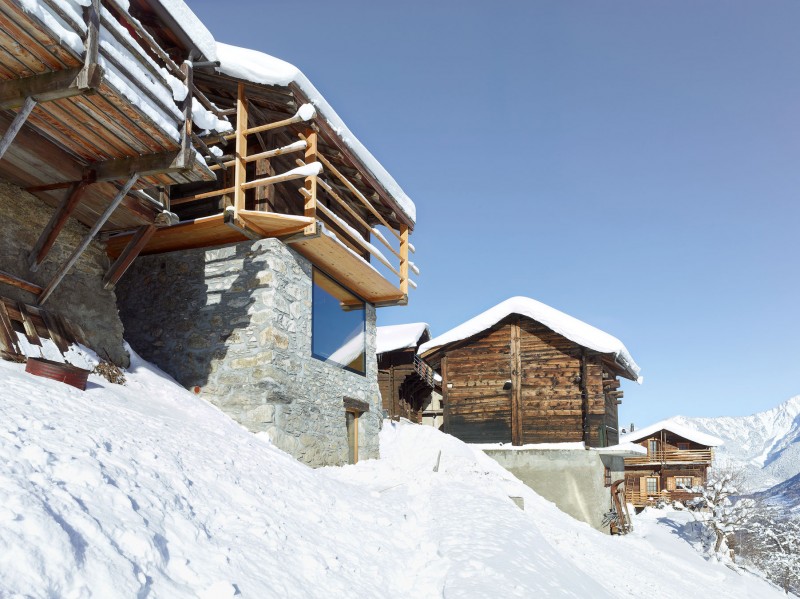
(147, 491)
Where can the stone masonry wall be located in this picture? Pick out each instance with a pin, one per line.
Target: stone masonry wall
(235, 322)
(80, 297)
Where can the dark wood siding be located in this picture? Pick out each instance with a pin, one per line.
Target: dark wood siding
(477, 408)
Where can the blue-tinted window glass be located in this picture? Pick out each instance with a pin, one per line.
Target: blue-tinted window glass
(338, 325)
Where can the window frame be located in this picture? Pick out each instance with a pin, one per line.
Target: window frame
(647, 485)
(688, 487)
(316, 356)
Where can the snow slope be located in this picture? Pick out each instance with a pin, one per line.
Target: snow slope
(765, 444)
(147, 491)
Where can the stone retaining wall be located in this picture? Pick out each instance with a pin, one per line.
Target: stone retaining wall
(80, 297)
(235, 323)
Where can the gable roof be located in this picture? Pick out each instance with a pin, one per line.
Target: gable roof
(679, 429)
(573, 329)
(400, 336)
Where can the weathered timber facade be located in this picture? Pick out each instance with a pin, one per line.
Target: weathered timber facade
(674, 465)
(521, 382)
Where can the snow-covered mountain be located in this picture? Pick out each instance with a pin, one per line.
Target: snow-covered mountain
(766, 445)
(145, 490)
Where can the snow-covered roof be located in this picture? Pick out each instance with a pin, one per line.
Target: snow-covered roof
(626, 450)
(400, 336)
(257, 67)
(196, 33)
(679, 429)
(573, 329)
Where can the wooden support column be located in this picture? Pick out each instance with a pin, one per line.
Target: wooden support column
(404, 259)
(311, 183)
(240, 167)
(16, 124)
(516, 385)
(56, 224)
(88, 239)
(128, 255)
(585, 432)
(186, 135)
(395, 409)
(445, 402)
(91, 72)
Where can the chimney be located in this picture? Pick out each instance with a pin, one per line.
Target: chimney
(632, 429)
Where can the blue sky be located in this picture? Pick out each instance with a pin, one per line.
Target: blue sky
(634, 164)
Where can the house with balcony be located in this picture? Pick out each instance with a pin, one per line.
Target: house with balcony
(256, 235)
(409, 387)
(677, 460)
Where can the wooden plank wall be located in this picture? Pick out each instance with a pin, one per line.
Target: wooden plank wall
(552, 409)
(393, 368)
(477, 408)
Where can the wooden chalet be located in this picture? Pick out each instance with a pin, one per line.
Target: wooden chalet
(677, 460)
(406, 382)
(523, 372)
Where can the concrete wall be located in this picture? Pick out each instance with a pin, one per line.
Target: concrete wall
(573, 479)
(236, 322)
(80, 297)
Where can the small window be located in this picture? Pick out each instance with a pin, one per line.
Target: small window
(607, 479)
(652, 447)
(683, 482)
(338, 325)
(683, 446)
(652, 486)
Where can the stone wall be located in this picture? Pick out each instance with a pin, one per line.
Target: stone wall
(80, 297)
(235, 323)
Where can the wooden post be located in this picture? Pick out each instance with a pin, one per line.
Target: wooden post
(240, 168)
(128, 255)
(56, 224)
(186, 136)
(584, 399)
(404, 259)
(88, 239)
(445, 402)
(516, 385)
(91, 73)
(16, 124)
(311, 184)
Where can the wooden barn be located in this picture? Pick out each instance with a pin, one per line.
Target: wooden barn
(523, 372)
(405, 381)
(678, 459)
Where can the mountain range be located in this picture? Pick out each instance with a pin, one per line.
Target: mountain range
(765, 445)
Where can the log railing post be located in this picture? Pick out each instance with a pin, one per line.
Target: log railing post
(240, 167)
(311, 184)
(404, 259)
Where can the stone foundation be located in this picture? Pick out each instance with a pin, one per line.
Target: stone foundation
(80, 297)
(234, 323)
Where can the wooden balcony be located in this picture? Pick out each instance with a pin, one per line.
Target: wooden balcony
(675, 456)
(640, 499)
(326, 216)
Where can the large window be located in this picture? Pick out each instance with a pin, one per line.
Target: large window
(338, 325)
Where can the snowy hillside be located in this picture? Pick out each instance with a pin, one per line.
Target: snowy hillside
(147, 491)
(766, 444)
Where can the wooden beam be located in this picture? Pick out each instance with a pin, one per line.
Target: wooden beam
(56, 224)
(266, 181)
(201, 196)
(143, 166)
(516, 385)
(43, 297)
(53, 85)
(16, 124)
(404, 259)
(240, 168)
(230, 218)
(9, 279)
(128, 255)
(310, 186)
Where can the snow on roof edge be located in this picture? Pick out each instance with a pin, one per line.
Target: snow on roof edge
(570, 327)
(400, 336)
(192, 27)
(259, 67)
(674, 427)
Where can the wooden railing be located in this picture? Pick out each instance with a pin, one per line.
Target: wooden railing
(310, 169)
(691, 456)
(641, 499)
